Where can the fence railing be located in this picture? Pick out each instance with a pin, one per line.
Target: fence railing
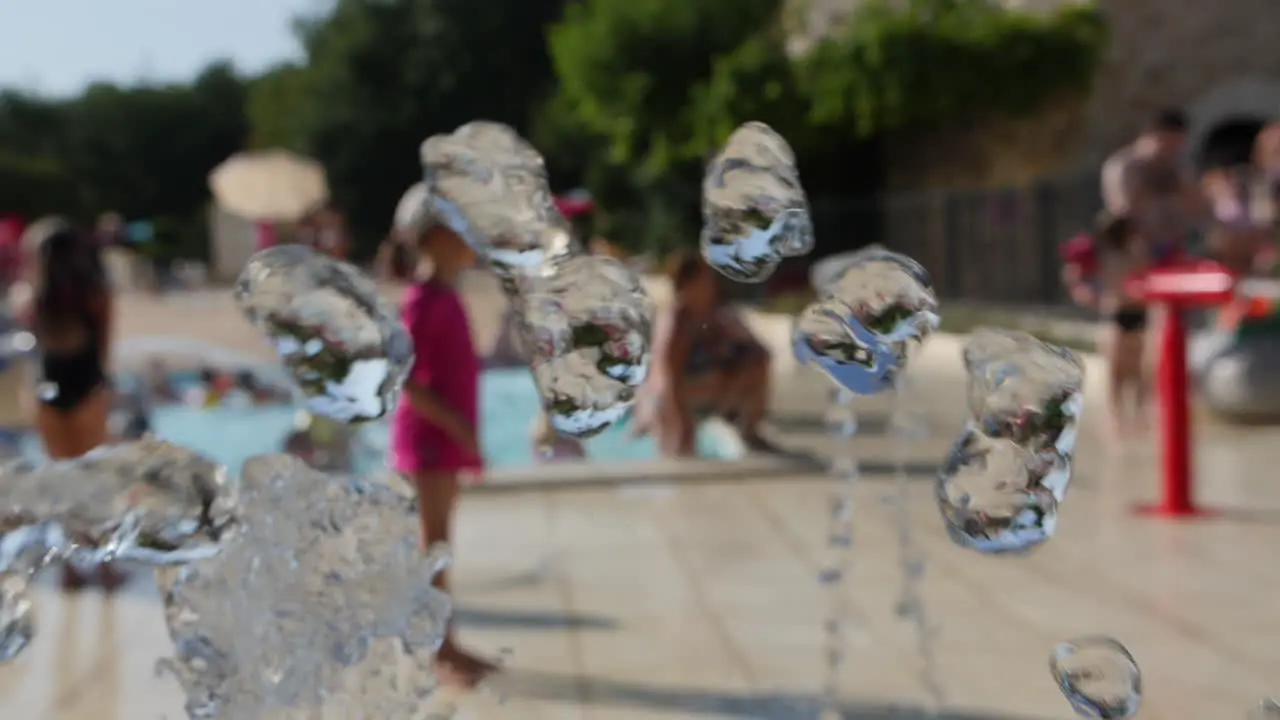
(996, 245)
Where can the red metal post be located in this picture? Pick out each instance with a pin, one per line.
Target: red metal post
(1204, 284)
(1175, 416)
(1173, 395)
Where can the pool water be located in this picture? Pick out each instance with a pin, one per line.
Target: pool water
(232, 433)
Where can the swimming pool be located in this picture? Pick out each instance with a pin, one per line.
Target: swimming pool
(232, 434)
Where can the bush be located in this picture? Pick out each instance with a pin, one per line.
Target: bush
(929, 62)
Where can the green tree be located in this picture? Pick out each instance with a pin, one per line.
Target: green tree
(648, 89)
(276, 108)
(146, 151)
(382, 75)
(910, 66)
(33, 180)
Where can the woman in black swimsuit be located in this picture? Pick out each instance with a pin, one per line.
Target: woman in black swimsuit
(71, 318)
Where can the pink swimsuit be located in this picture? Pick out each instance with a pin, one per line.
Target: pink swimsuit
(446, 363)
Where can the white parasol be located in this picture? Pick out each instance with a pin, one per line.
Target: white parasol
(269, 186)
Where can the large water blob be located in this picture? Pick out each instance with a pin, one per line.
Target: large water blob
(1024, 389)
(996, 496)
(754, 210)
(873, 307)
(862, 326)
(588, 327)
(1098, 676)
(490, 186)
(343, 345)
(318, 595)
(145, 501)
(1001, 485)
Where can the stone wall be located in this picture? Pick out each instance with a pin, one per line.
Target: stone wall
(994, 152)
(1217, 60)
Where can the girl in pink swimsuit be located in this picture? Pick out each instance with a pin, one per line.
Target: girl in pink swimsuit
(433, 432)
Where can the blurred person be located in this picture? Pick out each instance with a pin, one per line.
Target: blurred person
(434, 431)
(706, 362)
(325, 230)
(71, 316)
(1266, 152)
(158, 383)
(1124, 253)
(257, 392)
(1145, 183)
(212, 389)
(1240, 228)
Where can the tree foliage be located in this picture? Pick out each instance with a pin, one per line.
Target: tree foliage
(142, 151)
(382, 75)
(943, 61)
(629, 97)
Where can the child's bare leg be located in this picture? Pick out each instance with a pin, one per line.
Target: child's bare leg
(437, 499)
(1127, 377)
(1109, 346)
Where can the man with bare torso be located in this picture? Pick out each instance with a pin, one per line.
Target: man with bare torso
(1144, 183)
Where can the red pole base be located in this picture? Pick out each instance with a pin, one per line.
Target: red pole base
(1172, 512)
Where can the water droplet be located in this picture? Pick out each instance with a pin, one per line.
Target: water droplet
(144, 501)
(861, 329)
(490, 186)
(1098, 676)
(589, 326)
(47, 391)
(17, 621)
(1267, 709)
(754, 209)
(343, 345)
(1002, 482)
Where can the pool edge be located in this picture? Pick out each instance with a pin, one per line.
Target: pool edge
(594, 473)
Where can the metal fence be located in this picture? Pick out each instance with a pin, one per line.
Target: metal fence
(996, 245)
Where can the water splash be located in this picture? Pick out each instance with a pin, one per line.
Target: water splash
(872, 311)
(1098, 676)
(1006, 475)
(905, 430)
(843, 421)
(1266, 709)
(145, 501)
(344, 346)
(754, 211)
(17, 620)
(297, 610)
(588, 324)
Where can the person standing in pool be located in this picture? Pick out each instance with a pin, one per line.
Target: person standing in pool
(434, 440)
(71, 318)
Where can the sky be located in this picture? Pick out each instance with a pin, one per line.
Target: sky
(57, 47)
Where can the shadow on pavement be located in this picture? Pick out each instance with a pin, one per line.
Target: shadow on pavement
(686, 702)
(526, 620)
(868, 424)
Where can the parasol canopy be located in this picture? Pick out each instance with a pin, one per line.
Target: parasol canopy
(269, 186)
